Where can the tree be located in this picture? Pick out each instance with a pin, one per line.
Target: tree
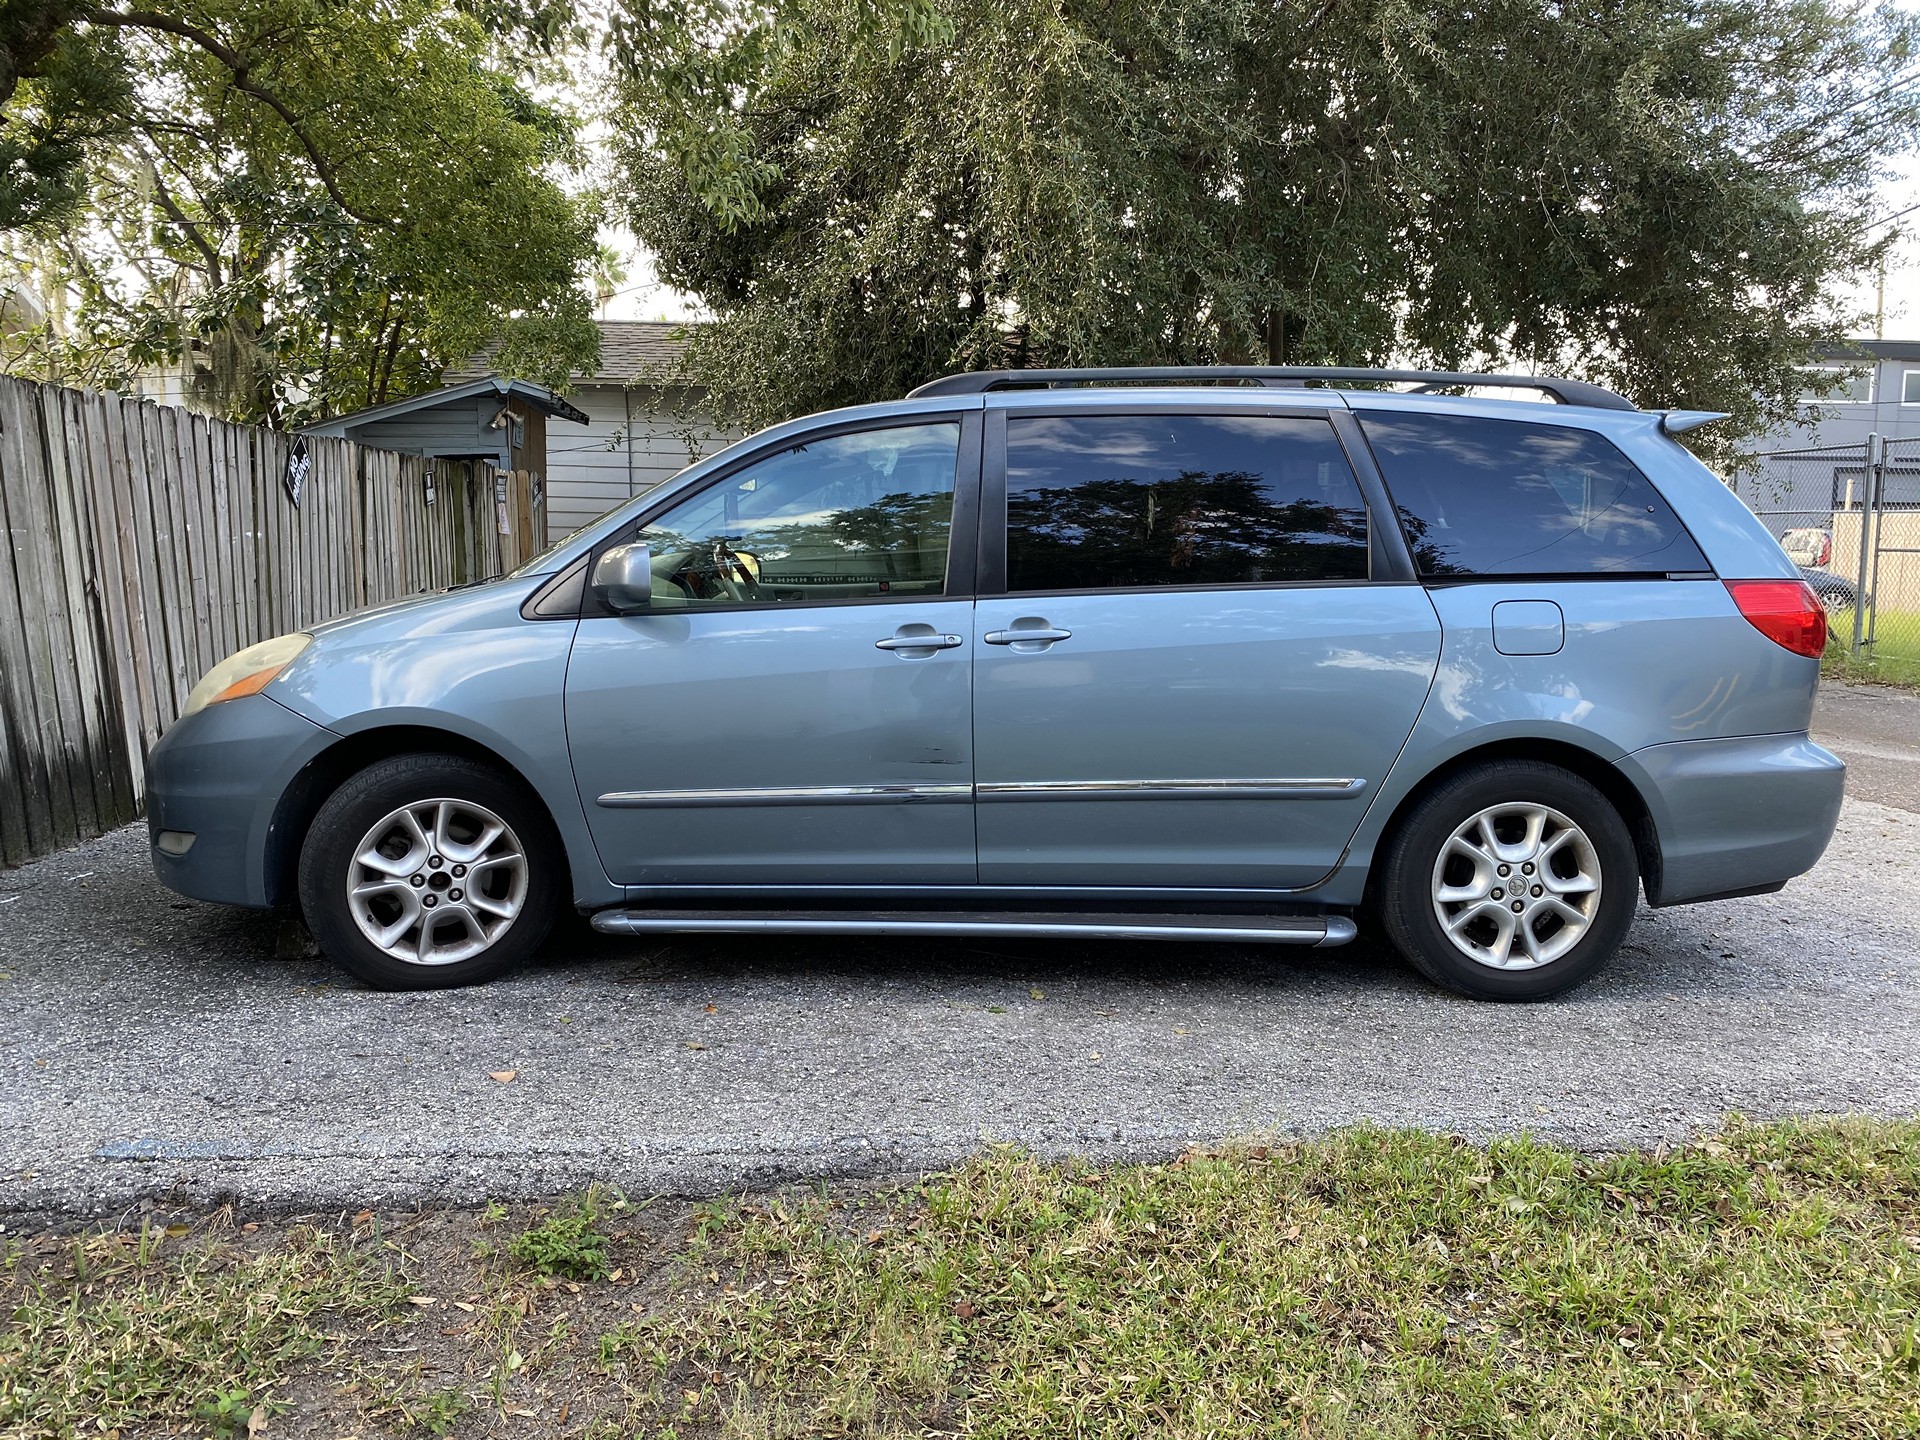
(1662, 195)
(320, 205)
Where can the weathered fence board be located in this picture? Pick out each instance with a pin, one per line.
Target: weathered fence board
(143, 544)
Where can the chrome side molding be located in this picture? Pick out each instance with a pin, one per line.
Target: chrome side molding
(1279, 789)
(789, 795)
(1319, 930)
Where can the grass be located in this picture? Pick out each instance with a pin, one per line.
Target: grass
(1761, 1282)
(1892, 659)
(110, 1330)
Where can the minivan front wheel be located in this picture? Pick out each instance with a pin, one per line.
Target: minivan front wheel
(428, 871)
(1514, 880)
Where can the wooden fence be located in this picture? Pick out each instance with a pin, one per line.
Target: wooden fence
(146, 543)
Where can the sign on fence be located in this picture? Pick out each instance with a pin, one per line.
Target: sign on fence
(144, 543)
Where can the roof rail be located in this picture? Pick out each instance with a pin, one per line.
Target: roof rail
(981, 382)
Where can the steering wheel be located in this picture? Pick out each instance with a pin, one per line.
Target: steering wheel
(732, 573)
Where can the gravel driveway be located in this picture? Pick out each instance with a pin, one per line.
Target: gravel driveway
(150, 1046)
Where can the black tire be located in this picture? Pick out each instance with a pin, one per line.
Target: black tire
(380, 790)
(1406, 889)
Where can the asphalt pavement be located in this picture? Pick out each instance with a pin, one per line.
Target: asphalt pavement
(152, 1047)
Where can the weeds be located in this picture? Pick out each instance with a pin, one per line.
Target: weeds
(569, 1244)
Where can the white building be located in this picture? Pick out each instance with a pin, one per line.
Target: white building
(640, 428)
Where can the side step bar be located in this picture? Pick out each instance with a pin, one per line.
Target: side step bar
(1242, 929)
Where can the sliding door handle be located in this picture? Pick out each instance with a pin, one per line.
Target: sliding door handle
(1039, 636)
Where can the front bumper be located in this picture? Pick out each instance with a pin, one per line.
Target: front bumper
(218, 776)
(1745, 814)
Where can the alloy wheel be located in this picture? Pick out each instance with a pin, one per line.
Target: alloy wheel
(1516, 886)
(437, 881)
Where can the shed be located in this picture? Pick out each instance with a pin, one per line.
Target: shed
(500, 421)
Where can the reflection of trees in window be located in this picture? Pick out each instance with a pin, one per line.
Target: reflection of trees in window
(1198, 528)
(1429, 555)
(902, 527)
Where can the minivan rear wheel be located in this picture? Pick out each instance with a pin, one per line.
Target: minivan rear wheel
(1512, 880)
(429, 871)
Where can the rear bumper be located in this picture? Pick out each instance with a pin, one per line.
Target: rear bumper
(1740, 815)
(218, 776)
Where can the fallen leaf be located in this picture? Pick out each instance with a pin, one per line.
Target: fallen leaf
(365, 1217)
(1036, 993)
(695, 1045)
(963, 1309)
(177, 1229)
(503, 1076)
(420, 1300)
(711, 1009)
(257, 1421)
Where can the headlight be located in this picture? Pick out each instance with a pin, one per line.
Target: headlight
(245, 672)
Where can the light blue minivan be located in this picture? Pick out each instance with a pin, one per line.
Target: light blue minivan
(1247, 654)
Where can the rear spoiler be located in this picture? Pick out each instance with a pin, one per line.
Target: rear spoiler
(1678, 422)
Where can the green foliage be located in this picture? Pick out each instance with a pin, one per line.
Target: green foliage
(315, 207)
(1661, 195)
(569, 1244)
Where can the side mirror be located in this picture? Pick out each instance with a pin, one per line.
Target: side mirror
(623, 579)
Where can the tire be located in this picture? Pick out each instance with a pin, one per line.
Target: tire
(1415, 885)
(456, 904)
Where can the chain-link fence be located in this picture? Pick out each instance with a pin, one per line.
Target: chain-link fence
(1849, 516)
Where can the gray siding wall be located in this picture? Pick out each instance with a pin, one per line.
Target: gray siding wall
(591, 468)
(452, 429)
(1842, 422)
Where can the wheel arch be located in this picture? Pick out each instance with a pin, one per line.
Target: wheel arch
(1595, 769)
(324, 773)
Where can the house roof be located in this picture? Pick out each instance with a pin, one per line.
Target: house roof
(630, 351)
(1876, 350)
(538, 396)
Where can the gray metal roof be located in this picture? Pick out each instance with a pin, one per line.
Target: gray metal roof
(537, 396)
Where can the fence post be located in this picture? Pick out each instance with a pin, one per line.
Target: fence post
(1874, 458)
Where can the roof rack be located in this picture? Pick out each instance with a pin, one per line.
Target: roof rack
(981, 382)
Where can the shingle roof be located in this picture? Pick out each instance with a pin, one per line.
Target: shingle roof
(629, 350)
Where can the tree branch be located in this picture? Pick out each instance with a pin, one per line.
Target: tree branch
(188, 227)
(242, 79)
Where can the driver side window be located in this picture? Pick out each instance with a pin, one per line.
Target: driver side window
(847, 517)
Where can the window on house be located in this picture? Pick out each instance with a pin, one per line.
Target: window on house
(1836, 385)
(1910, 388)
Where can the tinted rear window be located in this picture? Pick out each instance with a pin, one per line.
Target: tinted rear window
(1506, 497)
(1107, 501)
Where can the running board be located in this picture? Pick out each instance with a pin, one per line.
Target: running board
(1241, 929)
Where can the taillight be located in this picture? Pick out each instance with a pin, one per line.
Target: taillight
(1787, 612)
(1826, 552)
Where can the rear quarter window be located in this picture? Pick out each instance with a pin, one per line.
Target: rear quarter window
(1510, 497)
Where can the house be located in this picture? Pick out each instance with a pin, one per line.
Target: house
(642, 423)
(1813, 469)
(1879, 394)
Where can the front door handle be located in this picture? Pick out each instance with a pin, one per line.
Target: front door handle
(918, 640)
(1027, 638)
